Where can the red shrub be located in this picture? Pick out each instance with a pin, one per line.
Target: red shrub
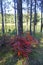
(22, 45)
(32, 39)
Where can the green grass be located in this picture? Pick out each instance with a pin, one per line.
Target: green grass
(10, 28)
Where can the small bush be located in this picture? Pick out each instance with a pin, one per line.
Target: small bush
(22, 45)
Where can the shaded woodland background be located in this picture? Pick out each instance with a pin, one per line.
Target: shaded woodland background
(32, 16)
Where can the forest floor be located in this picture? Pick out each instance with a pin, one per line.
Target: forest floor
(7, 57)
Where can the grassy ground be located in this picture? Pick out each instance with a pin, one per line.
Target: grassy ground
(10, 27)
(8, 57)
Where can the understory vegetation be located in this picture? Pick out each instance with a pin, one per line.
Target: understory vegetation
(9, 57)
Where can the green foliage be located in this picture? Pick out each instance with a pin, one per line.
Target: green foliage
(10, 23)
(38, 18)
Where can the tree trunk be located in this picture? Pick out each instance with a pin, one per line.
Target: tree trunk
(41, 15)
(15, 15)
(27, 13)
(19, 12)
(2, 22)
(41, 20)
(30, 17)
(15, 11)
(2, 18)
(35, 17)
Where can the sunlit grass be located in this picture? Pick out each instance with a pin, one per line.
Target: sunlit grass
(10, 27)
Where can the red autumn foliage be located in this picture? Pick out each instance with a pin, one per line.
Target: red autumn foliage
(19, 53)
(32, 39)
(22, 45)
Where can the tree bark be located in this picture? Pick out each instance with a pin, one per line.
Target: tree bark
(19, 13)
(27, 13)
(15, 15)
(30, 17)
(41, 15)
(35, 17)
(2, 18)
